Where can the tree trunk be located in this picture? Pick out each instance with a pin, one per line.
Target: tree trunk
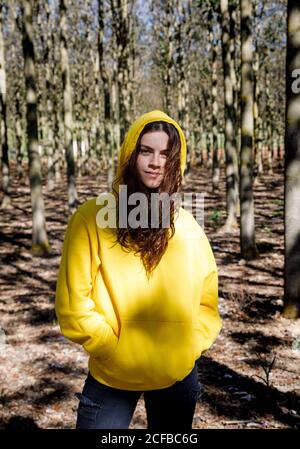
(49, 93)
(40, 242)
(247, 229)
(67, 106)
(215, 109)
(167, 75)
(20, 170)
(6, 200)
(132, 66)
(231, 166)
(115, 128)
(232, 7)
(121, 23)
(108, 134)
(183, 33)
(199, 130)
(257, 142)
(268, 111)
(292, 167)
(98, 145)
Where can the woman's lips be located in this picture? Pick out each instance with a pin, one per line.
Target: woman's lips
(151, 174)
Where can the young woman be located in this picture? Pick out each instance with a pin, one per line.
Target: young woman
(142, 300)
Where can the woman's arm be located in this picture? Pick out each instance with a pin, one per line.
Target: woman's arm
(74, 307)
(209, 322)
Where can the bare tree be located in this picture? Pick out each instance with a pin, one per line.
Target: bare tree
(182, 68)
(167, 48)
(214, 39)
(39, 236)
(6, 200)
(231, 166)
(106, 86)
(247, 228)
(122, 14)
(67, 96)
(233, 7)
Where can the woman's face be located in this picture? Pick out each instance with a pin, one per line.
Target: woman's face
(152, 158)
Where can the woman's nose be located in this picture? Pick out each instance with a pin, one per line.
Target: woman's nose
(155, 160)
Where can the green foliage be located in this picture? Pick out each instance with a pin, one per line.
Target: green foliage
(268, 230)
(296, 345)
(278, 213)
(213, 4)
(215, 216)
(278, 202)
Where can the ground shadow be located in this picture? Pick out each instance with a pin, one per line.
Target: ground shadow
(236, 397)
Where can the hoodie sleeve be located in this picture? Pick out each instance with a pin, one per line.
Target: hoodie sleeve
(209, 322)
(75, 309)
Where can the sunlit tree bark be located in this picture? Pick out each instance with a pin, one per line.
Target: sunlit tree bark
(6, 200)
(231, 165)
(67, 108)
(292, 166)
(40, 242)
(215, 109)
(247, 227)
(122, 13)
(182, 68)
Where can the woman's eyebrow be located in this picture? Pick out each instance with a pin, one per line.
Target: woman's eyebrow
(149, 148)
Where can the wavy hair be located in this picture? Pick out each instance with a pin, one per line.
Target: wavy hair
(151, 243)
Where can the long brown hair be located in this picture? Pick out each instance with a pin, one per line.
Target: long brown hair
(151, 243)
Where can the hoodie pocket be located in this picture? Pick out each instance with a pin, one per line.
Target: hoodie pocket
(151, 354)
(112, 355)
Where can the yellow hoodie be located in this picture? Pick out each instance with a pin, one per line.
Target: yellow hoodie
(140, 334)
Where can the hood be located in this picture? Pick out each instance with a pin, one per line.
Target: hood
(132, 136)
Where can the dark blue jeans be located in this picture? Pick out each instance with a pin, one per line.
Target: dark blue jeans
(172, 408)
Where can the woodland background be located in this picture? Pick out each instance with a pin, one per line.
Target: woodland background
(73, 77)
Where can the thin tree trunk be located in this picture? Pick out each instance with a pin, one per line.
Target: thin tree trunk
(40, 242)
(108, 134)
(115, 126)
(209, 140)
(231, 166)
(67, 102)
(268, 113)
(16, 84)
(247, 228)
(49, 89)
(257, 143)
(183, 32)
(167, 75)
(132, 66)
(199, 128)
(292, 168)
(179, 61)
(54, 101)
(6, 200)
(121, 23)
(232, 7)
(207, 144)
(18, 128)
(215, 109)
(97, 113)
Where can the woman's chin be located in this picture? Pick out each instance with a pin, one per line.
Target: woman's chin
(152, 186)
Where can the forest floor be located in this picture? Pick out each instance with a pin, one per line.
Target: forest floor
(40, 370)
